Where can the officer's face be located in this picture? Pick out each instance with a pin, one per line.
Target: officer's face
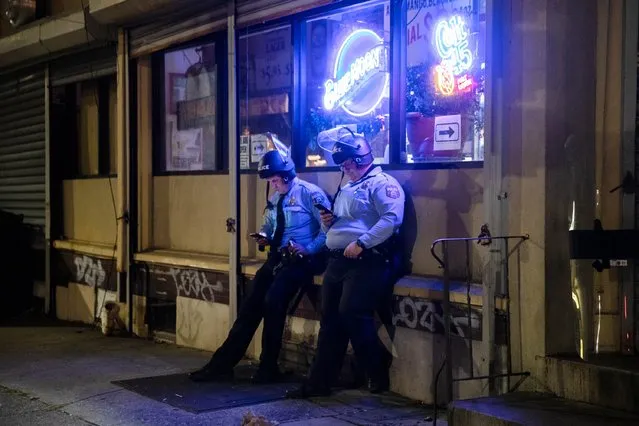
(278, 184)
(351, 170)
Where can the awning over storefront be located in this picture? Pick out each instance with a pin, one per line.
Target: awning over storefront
(251, 12)
(97, 23)
(49, 37)
(178, 27)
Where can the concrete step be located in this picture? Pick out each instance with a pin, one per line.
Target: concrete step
(537, 409)
(607, 380)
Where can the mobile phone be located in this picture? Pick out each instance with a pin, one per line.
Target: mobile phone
(322, 209)
(257, 236)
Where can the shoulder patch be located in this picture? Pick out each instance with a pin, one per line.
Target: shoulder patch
(392, 191)
(318, 198)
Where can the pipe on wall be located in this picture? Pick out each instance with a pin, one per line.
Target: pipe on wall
(233, 222)
(122, 166)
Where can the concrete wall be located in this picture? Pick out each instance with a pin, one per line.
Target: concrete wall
(189, 212)
(88, 210)
(608, 162)
(556, 158)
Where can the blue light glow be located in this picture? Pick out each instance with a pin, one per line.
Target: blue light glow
(360, 78)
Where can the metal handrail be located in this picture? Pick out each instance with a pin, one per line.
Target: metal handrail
(523, 237)
(484, 239)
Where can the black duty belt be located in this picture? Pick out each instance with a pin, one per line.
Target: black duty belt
(286, 258)
(366, 254)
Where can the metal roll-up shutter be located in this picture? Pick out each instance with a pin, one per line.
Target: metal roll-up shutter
(88, 65)
(22, 145)
(176, 28)
(251, 12)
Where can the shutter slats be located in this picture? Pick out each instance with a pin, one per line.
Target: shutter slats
(22, 131)
(31, 108)
(22, 145)
(30, 122)
(9, 99)
(32, 171)
(33, 137)
(22, 195)
(16, 149)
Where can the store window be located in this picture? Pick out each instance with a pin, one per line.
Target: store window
(445, 62)
(346, 79)
(265, 88)
(190, 109)
(83, 125)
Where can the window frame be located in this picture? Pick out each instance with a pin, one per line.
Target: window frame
(398, 54)
(72, 142)
(158, 113)
(297, 22)
(252, 30)
(299, 154)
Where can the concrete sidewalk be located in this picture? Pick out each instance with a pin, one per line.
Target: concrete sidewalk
(53, 373)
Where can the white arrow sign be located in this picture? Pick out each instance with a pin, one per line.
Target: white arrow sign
(447, 135)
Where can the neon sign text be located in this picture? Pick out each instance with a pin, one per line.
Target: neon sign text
(360, 77)
(360, 71)
(451, 40)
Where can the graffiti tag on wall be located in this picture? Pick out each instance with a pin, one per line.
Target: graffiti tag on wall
(428, 315)
(168, 282)
(87, 270)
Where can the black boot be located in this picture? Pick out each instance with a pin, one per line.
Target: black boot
(265, 375)
(380, 383)
(211, 373)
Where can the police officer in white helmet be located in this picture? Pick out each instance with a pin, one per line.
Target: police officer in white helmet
(292, 230)
(367, 213)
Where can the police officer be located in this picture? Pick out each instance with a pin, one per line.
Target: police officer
(368, 211)
(292, 230)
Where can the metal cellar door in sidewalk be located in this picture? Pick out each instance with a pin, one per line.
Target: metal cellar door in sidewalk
(22, 144)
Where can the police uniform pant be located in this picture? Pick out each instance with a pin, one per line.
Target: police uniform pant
(351, 292)
(270, 298)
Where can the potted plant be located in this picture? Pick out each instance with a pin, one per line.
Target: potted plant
(423, 104)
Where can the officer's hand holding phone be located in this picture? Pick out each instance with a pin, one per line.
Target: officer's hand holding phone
(297, 249)
(326, 216)
(260, 239)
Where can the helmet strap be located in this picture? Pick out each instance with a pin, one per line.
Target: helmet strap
(269, 205)
(364, 160)
(339, 189)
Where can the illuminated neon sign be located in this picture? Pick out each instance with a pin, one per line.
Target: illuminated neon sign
(360, 75)
(451, 40)
(445, 80)
(446, 83)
